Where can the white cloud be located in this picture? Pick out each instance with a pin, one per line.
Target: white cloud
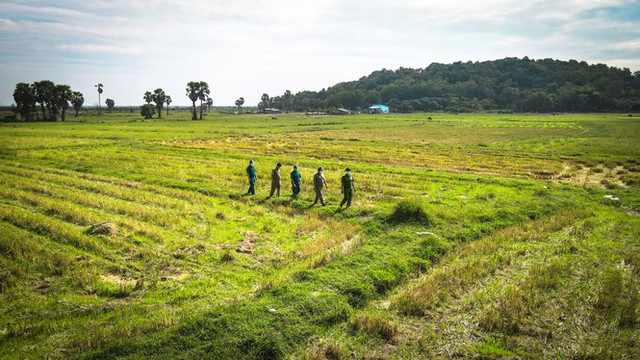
(245, 48)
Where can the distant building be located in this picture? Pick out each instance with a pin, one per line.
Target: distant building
(378, 109)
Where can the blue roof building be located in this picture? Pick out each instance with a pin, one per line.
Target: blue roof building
(378, 109)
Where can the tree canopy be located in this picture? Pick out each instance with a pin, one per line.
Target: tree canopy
(511, 84)
(197, 90)
(54, 100)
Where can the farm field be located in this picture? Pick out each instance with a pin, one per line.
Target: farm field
(472, 235)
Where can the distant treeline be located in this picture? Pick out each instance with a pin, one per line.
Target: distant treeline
(511, 84)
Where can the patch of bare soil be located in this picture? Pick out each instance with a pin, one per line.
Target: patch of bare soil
(598, 176)
(249, 238)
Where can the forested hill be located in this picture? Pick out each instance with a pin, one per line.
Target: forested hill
(520, 85)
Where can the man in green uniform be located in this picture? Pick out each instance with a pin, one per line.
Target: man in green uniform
(347, 188)
(296, 181)
(251, 173)
(275, 180)
(319, 181)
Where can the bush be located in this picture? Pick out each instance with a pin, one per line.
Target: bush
(410, 211)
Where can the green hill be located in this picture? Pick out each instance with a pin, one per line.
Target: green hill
(511, 84)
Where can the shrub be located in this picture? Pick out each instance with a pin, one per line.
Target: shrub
(410, 211)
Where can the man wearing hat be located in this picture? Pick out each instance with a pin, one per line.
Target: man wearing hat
(347, 188)
(296, 180)
(251, 172)
(319, 181)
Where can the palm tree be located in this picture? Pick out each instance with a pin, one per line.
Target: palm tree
(193, 92)
(287, 97)
(239, 104)
(159, 97)
(167, 100)
(209, 103)
(264, 102)
(148, 97)
(77, 100)
(203, 95)
(99, 86)
(43, 91)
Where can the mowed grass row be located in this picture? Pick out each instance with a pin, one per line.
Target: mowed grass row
(559, 287)
(195, 269)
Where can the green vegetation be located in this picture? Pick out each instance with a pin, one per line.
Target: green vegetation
(470, 235)
(511, 84)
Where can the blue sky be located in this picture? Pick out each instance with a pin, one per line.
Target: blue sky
(245, 48)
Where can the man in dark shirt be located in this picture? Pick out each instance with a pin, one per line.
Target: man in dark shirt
(251, 173)
(347, 188)
(296, 180)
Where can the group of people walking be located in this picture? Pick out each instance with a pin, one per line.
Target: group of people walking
(319, 183)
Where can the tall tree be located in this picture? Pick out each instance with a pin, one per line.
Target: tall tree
(25, 99)
(203, 95)
(110, 104)
(159, 97)
(43, 91)
(77, 100)
(167, 100)
(193, 92)
(60, 102)
(99, 86)
(239, 104)
(264, 102)
(209, 104)
(287, 98)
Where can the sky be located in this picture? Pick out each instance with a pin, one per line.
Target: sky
(246, 48)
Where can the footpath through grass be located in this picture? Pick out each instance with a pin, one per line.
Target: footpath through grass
(475, 235)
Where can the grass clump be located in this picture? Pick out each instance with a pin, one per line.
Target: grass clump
(375, 324)
(411, 211)
(228, 256)
(618, 299)
(490, 348)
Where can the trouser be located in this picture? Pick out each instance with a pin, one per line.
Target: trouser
(252, 186)
(318, 196)
(347, 198)
(295, 188)
(274, 187)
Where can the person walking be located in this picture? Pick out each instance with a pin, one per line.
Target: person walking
(296, 181)
(275, 180)
(347, 188)
(251, 173)
(319, 181)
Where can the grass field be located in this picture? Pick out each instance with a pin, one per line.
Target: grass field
(476, 236)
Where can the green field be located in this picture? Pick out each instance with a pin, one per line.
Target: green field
(475, 236)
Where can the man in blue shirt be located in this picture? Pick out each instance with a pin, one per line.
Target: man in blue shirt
(251, 172)
(295, 182)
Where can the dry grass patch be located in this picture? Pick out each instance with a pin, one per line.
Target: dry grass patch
(421, 297)
(375, 324)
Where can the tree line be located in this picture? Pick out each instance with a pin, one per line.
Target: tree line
(45, 101)
(512, 84)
